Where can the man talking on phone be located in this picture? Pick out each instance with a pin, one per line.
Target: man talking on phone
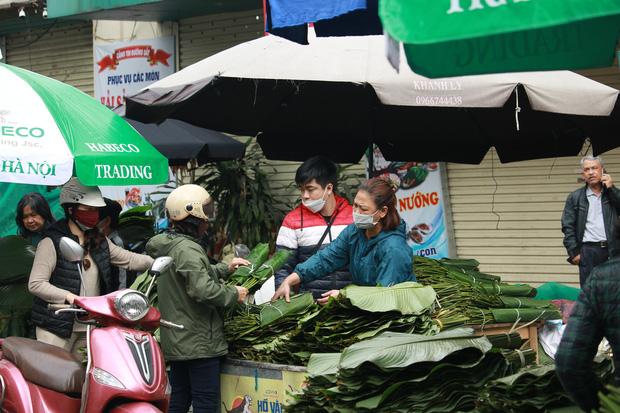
(588, 218)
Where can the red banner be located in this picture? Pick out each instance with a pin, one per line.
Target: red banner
(133, 52)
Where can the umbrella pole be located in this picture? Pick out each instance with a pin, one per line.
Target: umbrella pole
(370, 158)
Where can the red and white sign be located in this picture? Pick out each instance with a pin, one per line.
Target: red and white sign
(123, 68)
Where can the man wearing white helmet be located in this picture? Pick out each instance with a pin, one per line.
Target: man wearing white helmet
(190, 293)
(55, 280)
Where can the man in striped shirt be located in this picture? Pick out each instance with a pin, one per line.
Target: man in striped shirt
(316, 222)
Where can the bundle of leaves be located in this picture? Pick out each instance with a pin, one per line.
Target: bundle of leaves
(261, 269)
(396, 372)
(357, 314)
(253, 328)
(530, 390)
(468, 296)
(610, 400)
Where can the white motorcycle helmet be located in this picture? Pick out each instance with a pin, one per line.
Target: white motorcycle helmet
(73, 192)
(188, 200)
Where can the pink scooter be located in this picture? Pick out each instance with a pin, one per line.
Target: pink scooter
(125, 371)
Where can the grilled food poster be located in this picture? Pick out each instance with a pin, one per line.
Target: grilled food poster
(420, 203)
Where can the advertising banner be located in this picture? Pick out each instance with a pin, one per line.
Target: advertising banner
(123, 68)
(251, 387)
(420, 203)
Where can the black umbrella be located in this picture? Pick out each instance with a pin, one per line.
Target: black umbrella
(337, 95)
(181, 142)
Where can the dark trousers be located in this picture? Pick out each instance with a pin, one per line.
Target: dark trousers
(590, 257)
(195, 383)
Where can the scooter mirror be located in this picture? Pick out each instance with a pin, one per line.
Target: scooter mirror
(160, 265)
(241, 250)
(71, 250)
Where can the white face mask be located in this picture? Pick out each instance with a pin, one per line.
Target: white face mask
(315, 205)
(364, 221)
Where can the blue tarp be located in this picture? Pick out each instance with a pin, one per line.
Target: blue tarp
(286, 13)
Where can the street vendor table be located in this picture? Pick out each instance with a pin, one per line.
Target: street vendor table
(262, 386)
(528, 332)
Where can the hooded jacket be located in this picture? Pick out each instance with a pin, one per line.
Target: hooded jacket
(384, 259)
(301, 232)
(190, 293)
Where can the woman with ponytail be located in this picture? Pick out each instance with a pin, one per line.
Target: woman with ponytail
(374, 247)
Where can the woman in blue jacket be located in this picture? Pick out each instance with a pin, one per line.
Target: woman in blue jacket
(374, 247)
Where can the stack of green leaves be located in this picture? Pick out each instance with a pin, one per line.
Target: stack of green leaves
(360, 313)
(396, 372)
(357, 314)
(461, 297)
(253, 276)
(610, 400)
(16, 255)
(535, 389)
(255, 328)
(15, 309)
(468, 296)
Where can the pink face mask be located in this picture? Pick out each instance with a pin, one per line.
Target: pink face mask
(88, 219)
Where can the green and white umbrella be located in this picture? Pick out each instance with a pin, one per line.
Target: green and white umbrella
(50, 130)
(462, 37)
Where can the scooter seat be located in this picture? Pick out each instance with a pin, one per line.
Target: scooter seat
(44, 364)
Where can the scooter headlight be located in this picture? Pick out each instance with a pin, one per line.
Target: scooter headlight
(131, 305)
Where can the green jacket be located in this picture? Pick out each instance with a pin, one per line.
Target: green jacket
(190, 293)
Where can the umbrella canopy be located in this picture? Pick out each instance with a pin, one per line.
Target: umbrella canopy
(49, 129)
(336, 95)
(181, 142)
(462, 37)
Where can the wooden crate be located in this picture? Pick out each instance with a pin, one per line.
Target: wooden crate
(529, 333)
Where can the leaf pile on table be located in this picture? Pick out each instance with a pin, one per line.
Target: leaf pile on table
(398, 372)
(288, 333)
(450, 293)
(468, 296)
(531, 390)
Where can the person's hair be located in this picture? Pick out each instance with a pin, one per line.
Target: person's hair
(591, 158)
(39, 205)
(320, 168)
(111, 209)
(383, 192)
(188, 226)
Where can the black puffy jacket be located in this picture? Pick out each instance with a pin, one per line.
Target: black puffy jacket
(67, 277)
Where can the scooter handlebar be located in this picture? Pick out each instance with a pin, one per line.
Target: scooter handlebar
(169, 324)
(55, 307)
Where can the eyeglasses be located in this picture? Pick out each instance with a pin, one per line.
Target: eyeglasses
(86, 263)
